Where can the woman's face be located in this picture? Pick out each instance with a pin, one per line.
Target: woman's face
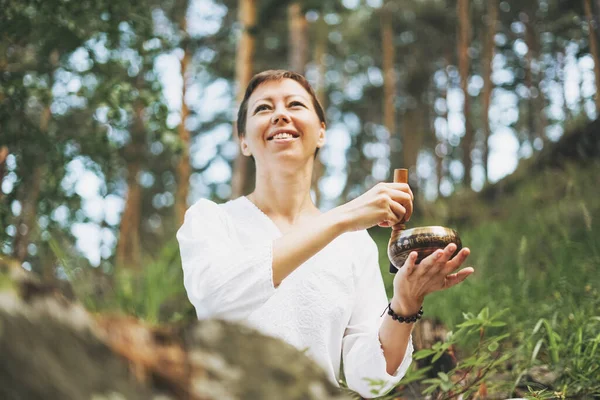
(282, 124)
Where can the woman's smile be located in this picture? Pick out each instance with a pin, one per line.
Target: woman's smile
(283, 136)
(282, 121)
(286, 139)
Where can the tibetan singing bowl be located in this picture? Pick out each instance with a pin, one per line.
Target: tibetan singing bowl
(424, 240)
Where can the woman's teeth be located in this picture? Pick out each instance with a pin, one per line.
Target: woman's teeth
(283, 136)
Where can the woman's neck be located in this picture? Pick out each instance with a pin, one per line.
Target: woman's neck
(284, 195)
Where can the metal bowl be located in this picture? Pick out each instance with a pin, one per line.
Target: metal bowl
(424, 240)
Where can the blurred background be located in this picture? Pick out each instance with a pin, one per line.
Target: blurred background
(115, 117)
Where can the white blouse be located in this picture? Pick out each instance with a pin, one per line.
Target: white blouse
(330, 307)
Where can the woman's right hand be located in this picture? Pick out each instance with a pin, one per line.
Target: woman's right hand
(386, 205)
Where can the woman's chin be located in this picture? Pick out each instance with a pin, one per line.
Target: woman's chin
(296, 158)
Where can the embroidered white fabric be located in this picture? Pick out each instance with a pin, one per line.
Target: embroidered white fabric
(329, 307)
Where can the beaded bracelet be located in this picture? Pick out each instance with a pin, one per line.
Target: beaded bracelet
(399, 318)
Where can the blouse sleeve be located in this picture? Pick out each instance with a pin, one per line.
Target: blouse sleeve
(223, 277)
(364, 362)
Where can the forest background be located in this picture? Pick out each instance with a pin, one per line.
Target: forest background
(115, 117)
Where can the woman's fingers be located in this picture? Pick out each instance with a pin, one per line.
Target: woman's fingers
(395, 197)
(402, 187)
(409, 264)
(397, 215)
(399, 212)
(457, 261)
(454, 279)
(405, 199)
(435, 262)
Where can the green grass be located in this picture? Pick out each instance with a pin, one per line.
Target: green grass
(543, 249)
(154, 294)
(536, 253)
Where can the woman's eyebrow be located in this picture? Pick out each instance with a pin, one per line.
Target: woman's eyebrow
(296, 95)
(261, 99)
(269, 98)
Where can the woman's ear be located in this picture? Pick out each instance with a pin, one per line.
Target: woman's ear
(244, 147)
(321, 139)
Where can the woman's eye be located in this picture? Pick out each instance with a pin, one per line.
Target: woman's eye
(261, 107)
(296, 104)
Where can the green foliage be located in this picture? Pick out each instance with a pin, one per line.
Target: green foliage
(542, 394)
(71, 73)
(539, 246)
(489, 356)
(571, 345)
(154, 294)
(536, 251)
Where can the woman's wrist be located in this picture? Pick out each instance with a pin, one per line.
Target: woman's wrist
(339, 219)
(405, 307)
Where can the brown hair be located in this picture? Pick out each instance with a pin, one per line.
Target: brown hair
(274, 75)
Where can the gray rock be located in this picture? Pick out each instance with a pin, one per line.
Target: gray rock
(53, 349)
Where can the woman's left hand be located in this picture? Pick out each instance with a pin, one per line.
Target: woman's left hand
(413, 282)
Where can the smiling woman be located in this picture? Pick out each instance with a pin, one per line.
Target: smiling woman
(283, 106)
(273, 260)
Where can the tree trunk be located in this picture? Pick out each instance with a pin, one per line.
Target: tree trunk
(3, 155)
(560, 61)
(488, 57)
(443, 150)
(581, 87)
(183, 168)
(243, 72)
(298, 41)
(320, 90)
(537, 120)
(27, 219)
(389, 79)
(412, 137)
(129, 249)
(464, 39)
(319, 57)
(593, 49)
(531, 125)
(428, 130)
(29, 201)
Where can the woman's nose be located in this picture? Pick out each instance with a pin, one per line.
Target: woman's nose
(279, 116)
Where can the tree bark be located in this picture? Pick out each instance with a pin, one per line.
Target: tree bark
(443, 151)
(3, 155)
(587, 4)
(298, 41)
(389, 78)
(129, 249)
(29, 201)
(560, 62)
(320, 90)
(487, 79)
(531, 125)
(464, 40)
(183, 167)
(27, 219)
(537, 120)
(243, 72)
(413, 123)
